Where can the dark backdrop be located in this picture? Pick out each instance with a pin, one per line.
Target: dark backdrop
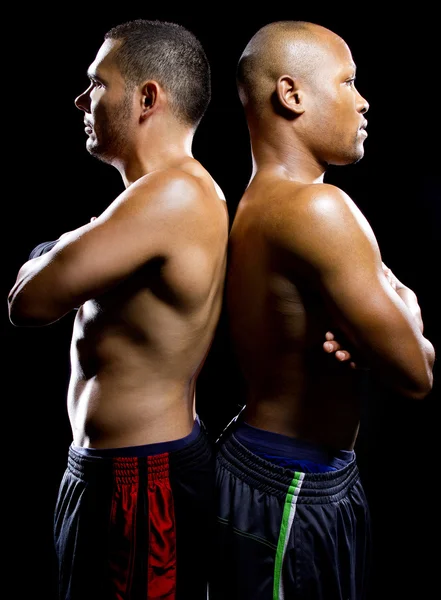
(52, 185)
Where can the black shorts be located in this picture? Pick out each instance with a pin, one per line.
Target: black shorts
(136, 527)
(285, 534)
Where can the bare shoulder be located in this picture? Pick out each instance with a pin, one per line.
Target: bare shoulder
(184, 200)
(180, 204)
(312, 200)
(314, 210)
(185, 187)
(169, 188)
(318, 221)
(194, 167)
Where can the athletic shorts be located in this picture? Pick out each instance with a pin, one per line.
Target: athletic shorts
(284, 534)
(137, 526)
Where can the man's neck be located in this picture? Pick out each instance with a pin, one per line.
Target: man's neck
(160, 156)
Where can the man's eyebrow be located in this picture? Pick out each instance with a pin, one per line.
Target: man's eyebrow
(350, 68)
(94, 76)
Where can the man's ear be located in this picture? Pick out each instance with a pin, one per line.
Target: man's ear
(149, 97)
(289, 95)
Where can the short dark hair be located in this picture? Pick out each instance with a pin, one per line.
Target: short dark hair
(170, 54)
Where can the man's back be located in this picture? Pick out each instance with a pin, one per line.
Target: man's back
(137, 349)
(278, 317)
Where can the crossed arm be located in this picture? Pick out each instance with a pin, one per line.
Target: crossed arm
(150, 219)
(378, 316)
(341, 352)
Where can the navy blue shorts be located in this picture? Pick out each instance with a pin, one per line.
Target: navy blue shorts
(136, 523)
(284, 534)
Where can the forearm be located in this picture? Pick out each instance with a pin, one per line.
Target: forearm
(384, 330)
(410, 300)
(16, 298)
(24, 299)
(37, 297)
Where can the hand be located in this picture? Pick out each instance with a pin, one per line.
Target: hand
(407, 295)
(390, 277)
(332, 346)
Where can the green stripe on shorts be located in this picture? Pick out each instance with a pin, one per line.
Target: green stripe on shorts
(289, 510)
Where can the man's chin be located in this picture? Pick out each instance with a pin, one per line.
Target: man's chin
(98, 153)
(90, 147)
(360, 155)
(356, 156)
(93, 149)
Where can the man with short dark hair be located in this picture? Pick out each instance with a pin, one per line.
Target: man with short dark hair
(134, 513)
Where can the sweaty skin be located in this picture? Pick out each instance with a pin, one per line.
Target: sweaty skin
(303, 260)
(146, 275)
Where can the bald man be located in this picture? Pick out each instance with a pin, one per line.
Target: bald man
(293, 520)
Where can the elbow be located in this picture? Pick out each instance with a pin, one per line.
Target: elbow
(23, 314)
(16, 315)
(426, 389)
(424, 384)
(23, 319)
(414, 383)
(421, 388)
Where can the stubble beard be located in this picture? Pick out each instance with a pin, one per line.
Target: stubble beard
(355, 154)
(359, 150)
(110, 143)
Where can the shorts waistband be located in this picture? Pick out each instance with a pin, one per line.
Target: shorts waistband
(275, 480)
(263, 442)
(127, 468)
(145, 449)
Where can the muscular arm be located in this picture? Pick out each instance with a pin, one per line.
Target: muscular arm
(144, 222)
(407, 295)
(333, 345)
(377, 313)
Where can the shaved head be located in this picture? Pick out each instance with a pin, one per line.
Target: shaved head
(295, 48)
(296, 82)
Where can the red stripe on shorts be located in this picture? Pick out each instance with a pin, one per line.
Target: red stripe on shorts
(159, 527)
(122, 532)
(162, 531)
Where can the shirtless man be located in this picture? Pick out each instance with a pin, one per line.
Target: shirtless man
(134, 511)
(293, 520)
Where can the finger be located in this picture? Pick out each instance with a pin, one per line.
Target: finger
(329, 336)
(342, 355)
(331, 346)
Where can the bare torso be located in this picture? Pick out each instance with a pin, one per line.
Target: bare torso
(137, 349)
(278, 321)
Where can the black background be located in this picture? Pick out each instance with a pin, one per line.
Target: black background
(53, 185)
